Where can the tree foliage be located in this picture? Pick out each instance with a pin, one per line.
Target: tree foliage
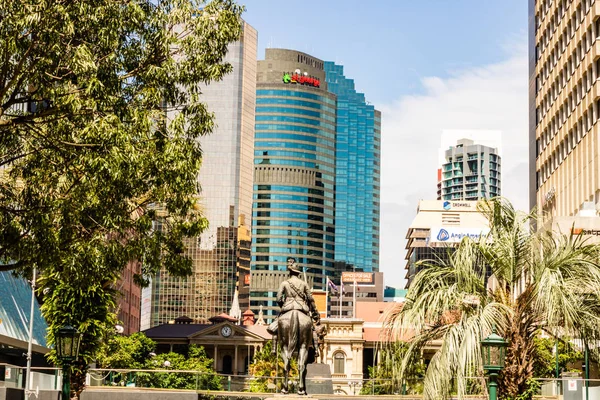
(540, 281)
(126, 352)
(384, 377)
(100, 116)
(266, 367)
(545, 362)
(201, 375)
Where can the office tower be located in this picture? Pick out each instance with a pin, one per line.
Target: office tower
(357, 179)
(470, 171)
(294, 175)
(438, 227)
(225, 179)
(563, 105)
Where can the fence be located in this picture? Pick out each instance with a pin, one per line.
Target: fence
(51, 379)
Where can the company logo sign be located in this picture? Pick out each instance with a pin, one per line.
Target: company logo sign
(298, 78)
(456, 234)
(585, 232)
(443, 235)
(448, 205)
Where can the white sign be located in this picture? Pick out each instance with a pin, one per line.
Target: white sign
(572, 385)
(455, 234)
(7, 372)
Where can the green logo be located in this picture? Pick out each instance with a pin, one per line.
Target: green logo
(286, 78)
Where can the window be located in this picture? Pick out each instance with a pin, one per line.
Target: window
(339, 361)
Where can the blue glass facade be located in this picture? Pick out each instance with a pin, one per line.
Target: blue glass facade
(293, 210)
(357, 177)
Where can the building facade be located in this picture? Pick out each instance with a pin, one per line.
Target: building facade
(129, 298)
(225, 178)
(471, 171)
(294, 175)
(438, 227)
(563, 128)
(357, 178)
(355, 287)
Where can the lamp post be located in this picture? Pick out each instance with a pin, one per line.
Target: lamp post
(67, 351)
(493, 349)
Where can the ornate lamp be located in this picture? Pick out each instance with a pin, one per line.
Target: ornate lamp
(493, 349)
(68, 340)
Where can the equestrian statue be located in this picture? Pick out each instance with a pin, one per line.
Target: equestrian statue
(294, 326)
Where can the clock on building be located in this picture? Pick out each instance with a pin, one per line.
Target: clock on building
(226, 331)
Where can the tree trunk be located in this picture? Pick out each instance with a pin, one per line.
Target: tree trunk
(520, 354)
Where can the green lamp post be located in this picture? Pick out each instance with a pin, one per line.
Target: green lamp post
(493, 350)
(67, 351)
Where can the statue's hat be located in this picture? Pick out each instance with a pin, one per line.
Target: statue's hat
(292, 267)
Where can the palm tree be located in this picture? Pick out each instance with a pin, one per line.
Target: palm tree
(540, 281)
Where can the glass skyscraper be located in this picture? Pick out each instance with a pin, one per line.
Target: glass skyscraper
(220, 256)
(316, 175)
(294, 174)
(357, 179)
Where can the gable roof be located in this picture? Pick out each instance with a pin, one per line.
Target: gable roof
(174, 330)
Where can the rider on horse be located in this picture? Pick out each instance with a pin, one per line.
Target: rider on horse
(294, 294)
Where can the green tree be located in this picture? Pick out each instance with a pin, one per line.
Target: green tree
(201, 375)
(385, 377)
(100, 116)
(126, 352)
(545, 362)
(266, 367)
(540, 281)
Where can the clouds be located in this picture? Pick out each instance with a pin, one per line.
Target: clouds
(490, 97)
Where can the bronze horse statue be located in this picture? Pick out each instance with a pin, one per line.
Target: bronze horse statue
(294, 326)
(295, 335)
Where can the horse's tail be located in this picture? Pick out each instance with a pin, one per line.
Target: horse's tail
(294, 331)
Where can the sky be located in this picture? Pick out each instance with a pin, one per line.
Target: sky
(429, 66)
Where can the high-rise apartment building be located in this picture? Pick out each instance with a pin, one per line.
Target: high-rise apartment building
(357, 177)
(470, 171)
(225, 178)
(294, 174)
(563, 129)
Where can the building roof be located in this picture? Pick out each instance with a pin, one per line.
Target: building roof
(15, 308)
(184, 331)
(260, 330)
(373, 312)
(223, 317)
(175, 330)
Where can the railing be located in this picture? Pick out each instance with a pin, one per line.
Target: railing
(50, 379)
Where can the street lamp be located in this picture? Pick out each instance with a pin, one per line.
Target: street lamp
(493, 350)
(67, 351)
(354, 385)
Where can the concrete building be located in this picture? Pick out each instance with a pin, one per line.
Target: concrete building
(369, 288)
(471, 171)
(563, 104)
(294, 175)
(439, 226)
(225, 178)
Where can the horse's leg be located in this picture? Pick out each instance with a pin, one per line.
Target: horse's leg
(286, 368)
(302, 360)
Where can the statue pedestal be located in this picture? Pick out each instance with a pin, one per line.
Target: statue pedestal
(318, 379)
